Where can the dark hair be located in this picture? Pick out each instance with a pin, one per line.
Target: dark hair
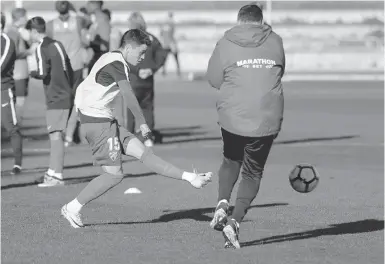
(135, 36)
(107, 12)
(37, 23)
(2, 21)
(100, 3)
(83, 10)
(62, 7)
(250, 13)
(18, 13)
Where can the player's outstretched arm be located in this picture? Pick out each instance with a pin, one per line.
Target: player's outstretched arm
(131, 101)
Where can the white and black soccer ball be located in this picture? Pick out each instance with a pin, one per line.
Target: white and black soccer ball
(304, 178)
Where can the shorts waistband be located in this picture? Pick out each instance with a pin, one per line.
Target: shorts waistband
(93, 119)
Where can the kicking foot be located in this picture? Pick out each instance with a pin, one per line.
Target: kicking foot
(74, 218)
(148, 143)
(231, 233)
(51, 181)
(201, 179)
(16, 170)
(220, 216)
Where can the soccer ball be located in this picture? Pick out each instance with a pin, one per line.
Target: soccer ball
(304, 178)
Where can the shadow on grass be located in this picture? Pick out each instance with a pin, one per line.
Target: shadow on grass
(71, 181)
(277, 142)
(315, 139)
(168, 129)
(363, 226)
(198, 214)
(6, 173)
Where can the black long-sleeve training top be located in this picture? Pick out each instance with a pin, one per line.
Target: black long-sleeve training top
(54, 68)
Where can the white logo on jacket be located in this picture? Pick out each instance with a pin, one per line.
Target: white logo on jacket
(256, 63)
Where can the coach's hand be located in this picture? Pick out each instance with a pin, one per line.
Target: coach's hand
(146, 132)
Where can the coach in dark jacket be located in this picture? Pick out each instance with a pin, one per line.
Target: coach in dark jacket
(246, 67)
(142, 76)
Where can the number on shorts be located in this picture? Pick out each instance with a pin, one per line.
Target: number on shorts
(113, 143)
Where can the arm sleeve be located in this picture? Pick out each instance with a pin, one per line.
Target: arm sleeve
(68, 66)
(83, 24)
(8, 53)
(43, 64)
(120, 75)
(215, 70)
(283, 56)
(159, 55)
(131, 101)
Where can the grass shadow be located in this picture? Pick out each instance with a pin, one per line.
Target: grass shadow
(316, 139)
(198, 214)
(71, 181)
(362, 226)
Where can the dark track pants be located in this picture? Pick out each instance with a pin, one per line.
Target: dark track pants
(9, 122)
(251, 154)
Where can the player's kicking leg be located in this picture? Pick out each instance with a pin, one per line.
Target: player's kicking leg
(107, 152)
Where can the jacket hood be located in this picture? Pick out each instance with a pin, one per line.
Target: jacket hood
(247, 35)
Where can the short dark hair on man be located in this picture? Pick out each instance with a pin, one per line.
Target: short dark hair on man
(107, 12)
(2, 21)
(250, 13)
(83, 10)
(100, 3)
(135, 36)
(37, 23)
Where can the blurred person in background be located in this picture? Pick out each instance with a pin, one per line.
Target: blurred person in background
(167, 35)
(142, 78)
(99, 32)
(17, 33)
(67, 29)
(8, 110)
(115, 35)
(86, 36)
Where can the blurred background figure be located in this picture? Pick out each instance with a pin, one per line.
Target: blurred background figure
(8, 111)
(20, 74)
(86, 36)
(168, 40)
(142, 78)
(67, 28)
(99, 32)
(115, 35)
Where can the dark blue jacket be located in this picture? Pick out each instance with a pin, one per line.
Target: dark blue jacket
(246, 67)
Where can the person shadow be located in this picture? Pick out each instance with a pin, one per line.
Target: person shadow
(362, 226)
(198, 214)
